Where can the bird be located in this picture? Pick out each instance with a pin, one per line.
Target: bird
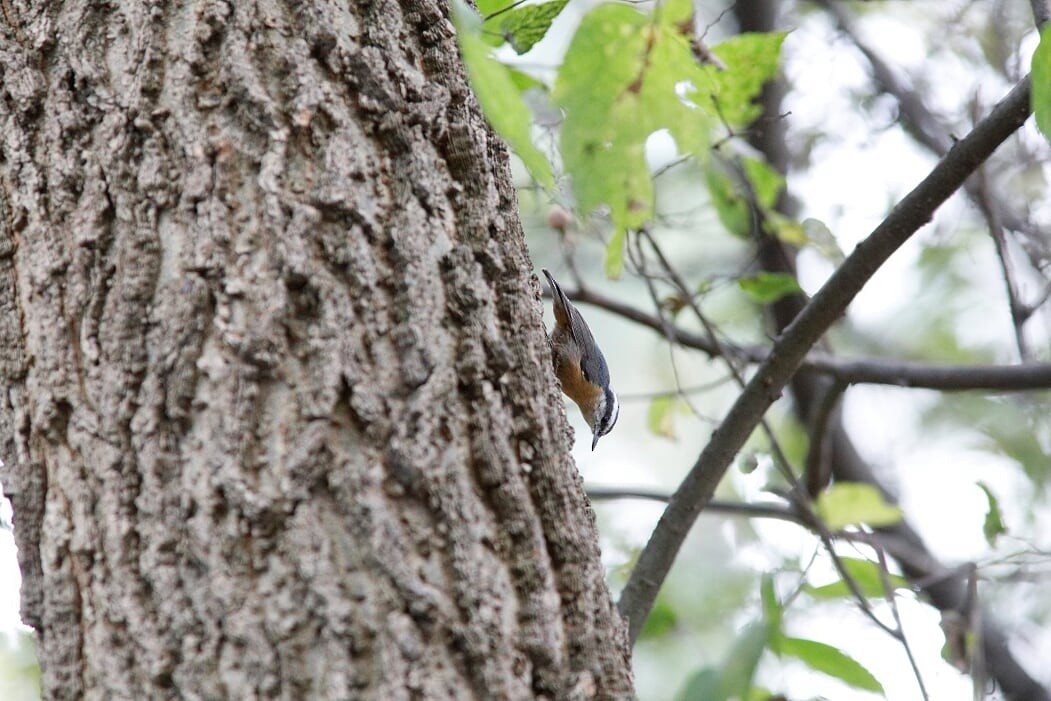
(580, 366)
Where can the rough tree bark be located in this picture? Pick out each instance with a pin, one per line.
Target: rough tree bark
(279, 420)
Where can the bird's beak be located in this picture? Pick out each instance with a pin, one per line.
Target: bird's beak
(594, 440)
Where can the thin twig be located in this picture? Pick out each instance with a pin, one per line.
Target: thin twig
(858, 371)
(1016, 308)
(782, 512)
(639, 260)
(781, 461)
(502, 10)
(802, 502)
(888, 591)
(925, 127)
(692, 389)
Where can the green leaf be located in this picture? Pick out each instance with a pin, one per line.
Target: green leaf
(624, 77)
(674, 13)
(498, 95)
(488, 7)
(602, 139)
(660, 419)
(627, 75)
(994, 524)
(524, 81)
(751, 61)
(702, 685)
(769, 287)
(852, 503)
(766, 182)
(758, 693)
(821, 237)
(772, 610)
(731, 207)
(735, 677)
(1041, 82)
(524, 26)
(662, 619)
(866, 574)
(831, 661)
(785, 228)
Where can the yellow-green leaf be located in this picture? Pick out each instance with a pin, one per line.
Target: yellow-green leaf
(852, 503)
(524, 26)
(993, 526)
(751, 61)
(737, 672)
(603, 139)
(663, 618)
(768, 287)
(772, 610)
(1041, 82)
(766, 182)
(661, 416)
(489, 7)
(731, 207)
(829, 660)
(523, 81)
(867, 577)
(821, 237)
(498, 95)
(785, 228)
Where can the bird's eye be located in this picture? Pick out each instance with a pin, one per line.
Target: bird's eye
(584, 371)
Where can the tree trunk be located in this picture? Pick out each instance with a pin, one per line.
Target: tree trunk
(280, 420)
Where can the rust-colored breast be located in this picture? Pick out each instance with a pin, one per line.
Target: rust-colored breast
(567, 369)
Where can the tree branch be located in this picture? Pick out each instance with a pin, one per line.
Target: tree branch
(1041, 12)
(878, 371)
(782, 512)
(831, 301)
(922, 124)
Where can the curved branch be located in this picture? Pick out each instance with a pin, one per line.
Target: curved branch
(915, 210)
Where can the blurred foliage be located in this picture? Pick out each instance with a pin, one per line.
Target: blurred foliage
(19, 671)
(1016, 427)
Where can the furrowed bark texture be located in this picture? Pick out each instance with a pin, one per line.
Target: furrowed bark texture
(278, 413)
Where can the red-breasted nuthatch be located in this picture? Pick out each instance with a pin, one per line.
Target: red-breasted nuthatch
(580, 366)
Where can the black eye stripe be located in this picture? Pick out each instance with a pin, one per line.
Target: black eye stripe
(609, 418)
